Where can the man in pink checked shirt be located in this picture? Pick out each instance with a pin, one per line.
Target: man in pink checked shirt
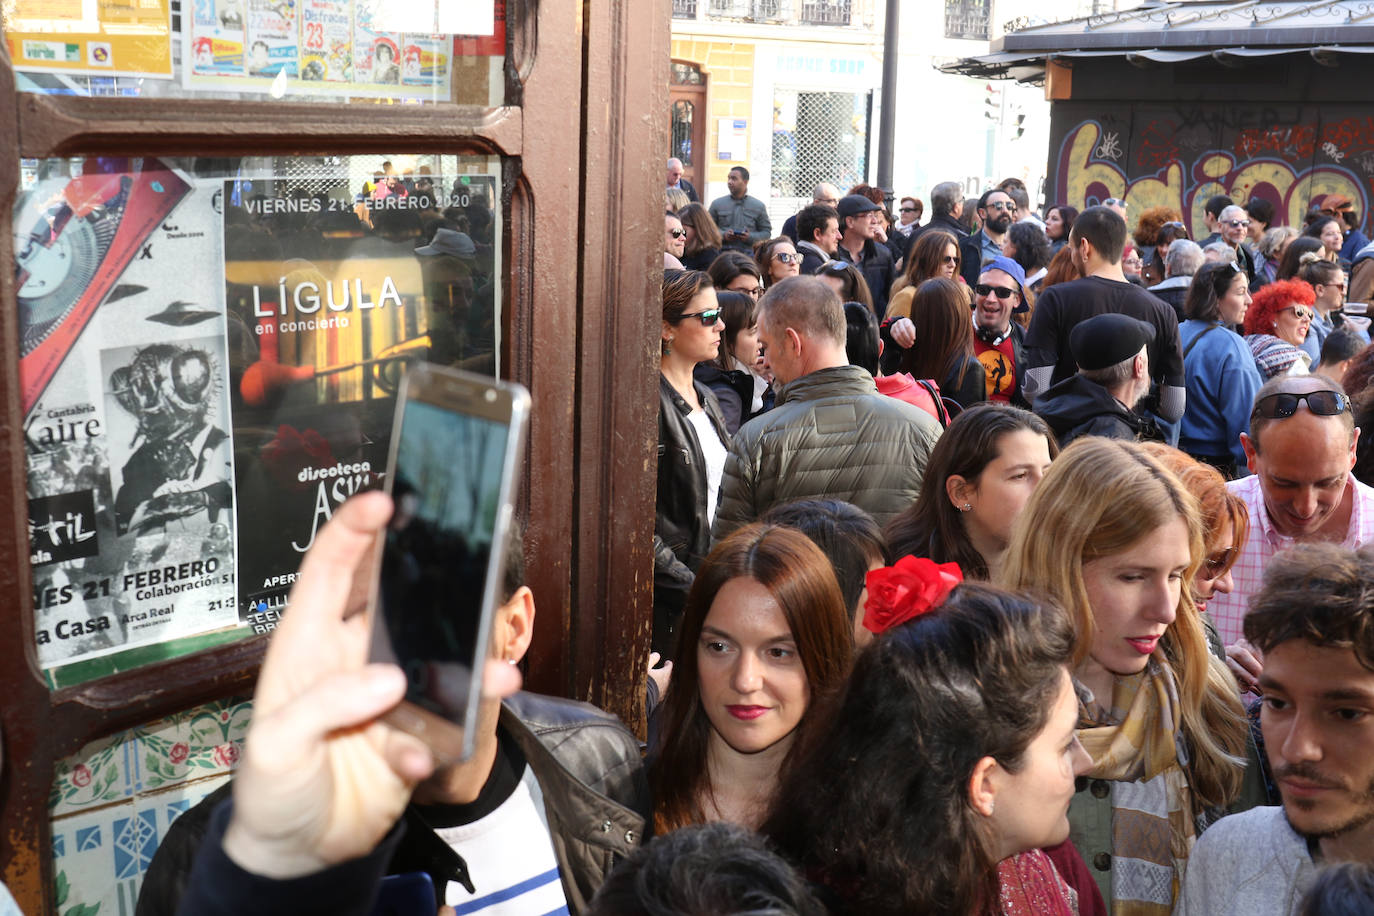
(1300, 449)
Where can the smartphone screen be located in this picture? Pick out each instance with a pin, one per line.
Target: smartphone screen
(450, 479)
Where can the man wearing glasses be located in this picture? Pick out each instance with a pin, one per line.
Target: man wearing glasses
(997, 211)
(1234, 226)
(997, 340)
(1300, 448)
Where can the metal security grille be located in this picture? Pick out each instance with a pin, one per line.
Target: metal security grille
(684, 9)
(818, 136)
(969, 19)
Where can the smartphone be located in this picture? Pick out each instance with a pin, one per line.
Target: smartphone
(455, 445)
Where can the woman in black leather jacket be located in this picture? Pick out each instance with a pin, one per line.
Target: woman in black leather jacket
(692, 444)
(731, 377)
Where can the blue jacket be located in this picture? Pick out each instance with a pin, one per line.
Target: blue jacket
(1221, 379)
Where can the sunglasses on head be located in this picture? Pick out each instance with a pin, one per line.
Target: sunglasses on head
(708, 317)
(1283, 406)
(1003, 292)
(835, 267)
(678, 233)
(1113, 202)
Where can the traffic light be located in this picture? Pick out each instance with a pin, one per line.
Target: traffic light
(1020, 125)
(992, 104)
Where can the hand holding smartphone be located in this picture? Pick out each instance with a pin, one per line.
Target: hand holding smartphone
(455, 445)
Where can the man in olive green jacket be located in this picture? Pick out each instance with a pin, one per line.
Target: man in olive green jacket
(831, 434)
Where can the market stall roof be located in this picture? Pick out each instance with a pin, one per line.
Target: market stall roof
(1160, 31)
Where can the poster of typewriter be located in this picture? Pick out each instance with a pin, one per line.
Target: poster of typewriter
(123, 375)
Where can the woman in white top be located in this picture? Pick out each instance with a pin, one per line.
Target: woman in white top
(691, 445)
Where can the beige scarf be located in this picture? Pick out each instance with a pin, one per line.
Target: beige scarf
(1152, 819)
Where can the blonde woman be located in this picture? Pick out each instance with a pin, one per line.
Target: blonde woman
(1158, 713)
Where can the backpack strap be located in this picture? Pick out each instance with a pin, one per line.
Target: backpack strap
(1193, 343)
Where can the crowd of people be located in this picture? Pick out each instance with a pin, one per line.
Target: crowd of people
(981, 587)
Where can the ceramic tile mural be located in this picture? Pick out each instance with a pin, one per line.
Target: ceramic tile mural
(112, 803)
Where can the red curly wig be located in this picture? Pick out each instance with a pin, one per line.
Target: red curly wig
(1274, 298)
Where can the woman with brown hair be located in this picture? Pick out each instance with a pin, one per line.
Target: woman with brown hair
(935, 253)
(944, 349)
(703, 237)
(777, 259)
(692, 444)
(1062, 269)
(847, 281)
(766, 639)
(1114, 536)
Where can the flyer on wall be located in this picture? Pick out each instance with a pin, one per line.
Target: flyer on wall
(124, 382)
(216, 37)
(329, 313)
(92, 38)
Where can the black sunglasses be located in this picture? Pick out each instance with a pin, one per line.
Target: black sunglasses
(1003, 292)
(708, 317)
(678, 233)
(1282, 406)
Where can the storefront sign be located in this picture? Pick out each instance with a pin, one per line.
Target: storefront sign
(93, 37)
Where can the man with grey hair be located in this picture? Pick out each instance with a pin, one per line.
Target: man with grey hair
(1180, 263)
(675, 180)
(831, 434)
(1234, 226)
(946, 206)
(1113, 376)
(826, 195)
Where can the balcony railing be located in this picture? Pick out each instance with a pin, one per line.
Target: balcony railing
(968, 19)
(806, 12)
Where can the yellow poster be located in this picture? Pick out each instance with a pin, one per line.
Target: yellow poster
(93, 37)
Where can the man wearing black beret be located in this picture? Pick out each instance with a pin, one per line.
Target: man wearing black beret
(1113, 376)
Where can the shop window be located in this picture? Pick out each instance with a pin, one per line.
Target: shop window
(818, 136)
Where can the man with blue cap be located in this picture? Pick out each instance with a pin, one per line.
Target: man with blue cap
(997, 340)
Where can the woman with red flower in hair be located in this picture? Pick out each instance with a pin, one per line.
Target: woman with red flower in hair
(766, 638)
(949, 762)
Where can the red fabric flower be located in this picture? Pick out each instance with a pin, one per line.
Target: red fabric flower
(907, 589)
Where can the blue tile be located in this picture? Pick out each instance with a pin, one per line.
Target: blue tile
(88, 838)
(59, 845)
(134, 845)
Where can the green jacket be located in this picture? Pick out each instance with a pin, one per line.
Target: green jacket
(831, 435)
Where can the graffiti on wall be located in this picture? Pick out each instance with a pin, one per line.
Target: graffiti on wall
(1182, 159)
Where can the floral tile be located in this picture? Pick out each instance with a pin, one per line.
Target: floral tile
(112, 803)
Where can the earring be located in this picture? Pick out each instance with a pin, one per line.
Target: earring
(667, 348)
(966, 507)
(512, 662)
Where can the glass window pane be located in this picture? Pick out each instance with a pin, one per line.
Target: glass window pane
(209, 354)
(417, 51)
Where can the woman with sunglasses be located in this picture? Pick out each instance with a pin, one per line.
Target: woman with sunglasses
(1158, 713)
(935, 253)
(733, 375)
(1218, 369)
(847, 281)
(703, 241)
(692, 444)
(777, 259)
(1276, 324)
(737, 272)
(1328, 288)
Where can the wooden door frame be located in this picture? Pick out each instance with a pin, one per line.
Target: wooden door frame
(697, 172)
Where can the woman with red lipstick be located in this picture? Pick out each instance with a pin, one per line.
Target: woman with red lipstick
(1113, 535)
(953, 752)
(765, 637)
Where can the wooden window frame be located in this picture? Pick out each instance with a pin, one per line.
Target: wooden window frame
(581, 250)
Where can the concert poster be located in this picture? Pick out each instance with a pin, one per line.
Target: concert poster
(127, 427)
